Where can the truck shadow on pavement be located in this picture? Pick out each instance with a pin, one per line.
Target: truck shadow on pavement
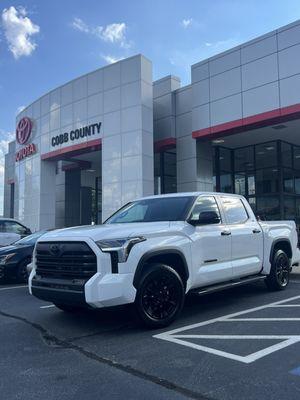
(121, 320)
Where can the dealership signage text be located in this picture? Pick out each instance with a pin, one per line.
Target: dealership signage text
(26, 151)
(76, 134)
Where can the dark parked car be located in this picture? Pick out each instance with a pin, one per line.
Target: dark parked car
(15, 258)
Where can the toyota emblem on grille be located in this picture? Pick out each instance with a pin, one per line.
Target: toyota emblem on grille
(55, 249)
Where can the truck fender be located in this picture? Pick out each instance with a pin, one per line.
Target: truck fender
(283, 240)
(155, 253)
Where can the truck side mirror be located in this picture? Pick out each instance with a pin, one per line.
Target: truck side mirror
(206, 218)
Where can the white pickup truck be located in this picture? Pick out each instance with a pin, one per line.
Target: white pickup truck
(156, 249)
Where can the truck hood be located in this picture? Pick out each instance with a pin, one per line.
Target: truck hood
(109, 231)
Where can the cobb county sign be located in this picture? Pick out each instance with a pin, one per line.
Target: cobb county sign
(76, 134)
(23, 133)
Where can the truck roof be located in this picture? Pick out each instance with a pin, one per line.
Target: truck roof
(191, 194)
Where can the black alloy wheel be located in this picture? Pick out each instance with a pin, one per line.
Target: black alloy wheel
(160, 296)
(279, 276)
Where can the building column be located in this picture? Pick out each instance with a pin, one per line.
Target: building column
(47, 195)
(127, 145)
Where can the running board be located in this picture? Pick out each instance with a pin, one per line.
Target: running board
(228, 285)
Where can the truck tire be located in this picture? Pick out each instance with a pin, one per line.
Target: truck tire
(279, 276)
(160, 296)
(22, 274)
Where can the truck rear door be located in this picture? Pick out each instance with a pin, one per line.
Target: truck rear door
(246, 237)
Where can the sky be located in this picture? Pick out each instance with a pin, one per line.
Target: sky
(44, 44)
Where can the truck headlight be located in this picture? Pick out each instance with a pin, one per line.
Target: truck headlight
(120, 246)
(4, 259)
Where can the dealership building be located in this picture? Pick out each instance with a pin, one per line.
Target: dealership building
(88, 147)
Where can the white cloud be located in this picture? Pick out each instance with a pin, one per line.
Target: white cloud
(18, 29)
(111, 59)
(80, 25)
(113, 33)
(5, 138)
(186, 22)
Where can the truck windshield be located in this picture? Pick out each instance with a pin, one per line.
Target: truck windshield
(152, 210)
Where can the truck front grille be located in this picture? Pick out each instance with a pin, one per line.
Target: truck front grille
(65, 260)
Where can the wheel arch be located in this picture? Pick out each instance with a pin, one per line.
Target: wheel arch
(281, 244)
(172, 257)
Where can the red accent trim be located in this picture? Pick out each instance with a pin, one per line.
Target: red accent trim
(164, 144)
(74, 150)
(248, 123)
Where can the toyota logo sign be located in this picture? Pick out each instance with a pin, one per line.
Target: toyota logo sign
(23, 130)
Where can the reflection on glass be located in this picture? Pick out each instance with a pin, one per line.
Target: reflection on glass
(288, 181)
(251, 185)
(226, 183)
(266, 155)
(286, 154)
(267, 180)
(289, 208)
(244, 159)
(225, 159)
(252, 202)
(297, 157)
(267, 208)
(240, 184)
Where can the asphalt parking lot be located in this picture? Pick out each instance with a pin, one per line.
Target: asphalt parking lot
(240, 344)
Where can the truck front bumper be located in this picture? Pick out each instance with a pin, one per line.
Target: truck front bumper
(99, 291)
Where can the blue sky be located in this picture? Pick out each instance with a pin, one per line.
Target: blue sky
(46, 43)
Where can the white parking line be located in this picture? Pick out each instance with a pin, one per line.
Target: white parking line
(51, 305)
(176, 336)
(260, 319)
(13, 287)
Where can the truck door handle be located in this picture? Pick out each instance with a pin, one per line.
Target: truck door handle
(225, 233)
(256, 230)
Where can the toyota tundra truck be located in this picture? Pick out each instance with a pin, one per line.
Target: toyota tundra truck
(155, 250)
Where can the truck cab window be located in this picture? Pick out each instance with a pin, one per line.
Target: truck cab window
(204, 205)
(234, 209)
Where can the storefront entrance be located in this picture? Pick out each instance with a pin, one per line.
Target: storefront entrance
(267, 174)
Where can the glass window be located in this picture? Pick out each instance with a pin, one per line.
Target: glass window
(240, 184)
(154, 209)
(251, 185)
(267, 208)
(234, 210)
(252, 202)
(297, 157)
(266, 155)
(288, 180)
(225, 159)
(289, 207)
(297, 182)
(165, 172)
(286, 154)
(14, 227)
(205, 204)
(226, 183)
(244, 159)
(267, 181)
